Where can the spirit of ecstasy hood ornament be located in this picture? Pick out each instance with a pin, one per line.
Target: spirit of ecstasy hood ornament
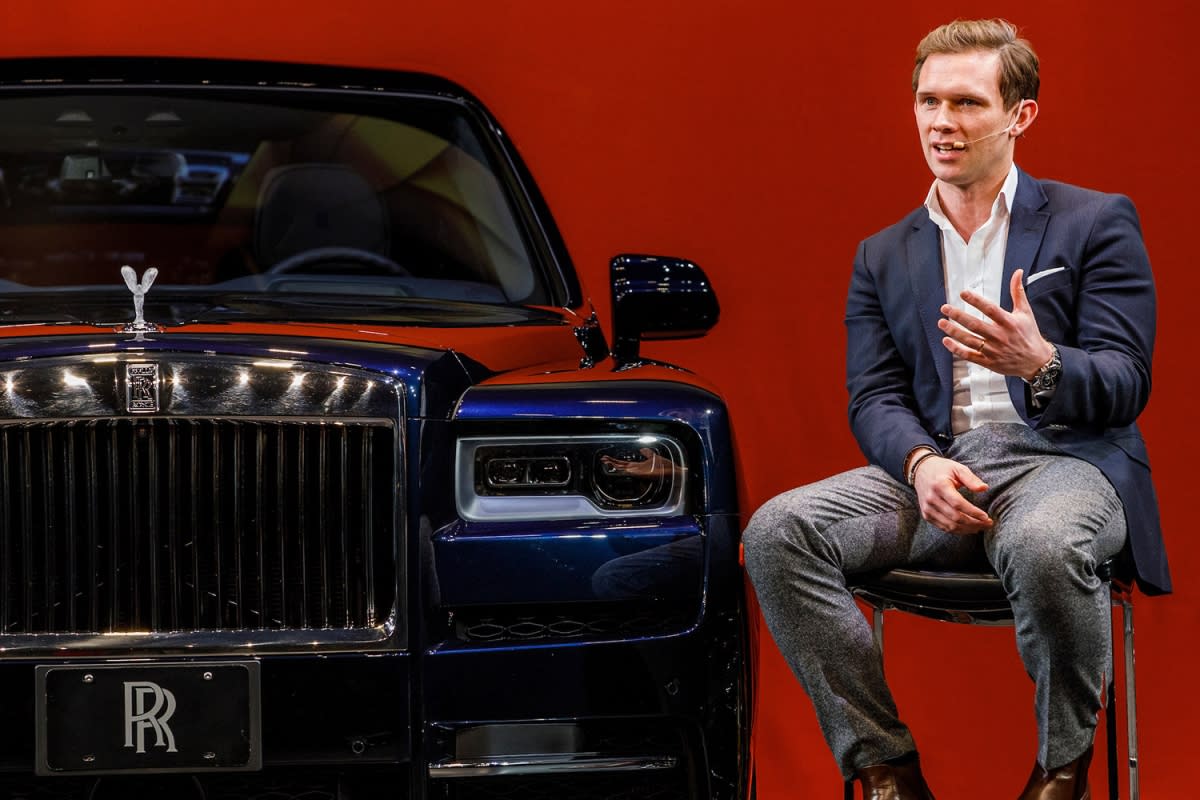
(139, 289)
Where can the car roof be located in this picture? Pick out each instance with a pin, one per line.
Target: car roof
(155, 70)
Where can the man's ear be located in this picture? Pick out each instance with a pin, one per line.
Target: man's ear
(1026, 114)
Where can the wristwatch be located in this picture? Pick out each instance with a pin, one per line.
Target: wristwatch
(1046, 378)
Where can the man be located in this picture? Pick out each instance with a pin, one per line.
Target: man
(999, 347)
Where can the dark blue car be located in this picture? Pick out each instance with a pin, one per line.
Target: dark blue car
(319, 477)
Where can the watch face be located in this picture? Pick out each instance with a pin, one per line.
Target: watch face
(1048, 375)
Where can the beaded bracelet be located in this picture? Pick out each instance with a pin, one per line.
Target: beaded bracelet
(912, 470)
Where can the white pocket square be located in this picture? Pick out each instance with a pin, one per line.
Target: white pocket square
(1037, 276)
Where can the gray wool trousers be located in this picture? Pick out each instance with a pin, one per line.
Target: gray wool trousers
(1056, 517)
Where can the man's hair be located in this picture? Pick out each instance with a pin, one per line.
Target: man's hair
(1018, 63)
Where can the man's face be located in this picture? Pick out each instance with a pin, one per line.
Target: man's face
(958, 99)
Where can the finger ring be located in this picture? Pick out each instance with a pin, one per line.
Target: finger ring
(982, 344)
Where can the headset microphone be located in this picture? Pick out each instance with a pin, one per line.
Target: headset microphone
(963, 145)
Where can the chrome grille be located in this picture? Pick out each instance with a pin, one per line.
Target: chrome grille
(163, 524)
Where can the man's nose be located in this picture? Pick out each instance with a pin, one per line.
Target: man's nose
(943, 119)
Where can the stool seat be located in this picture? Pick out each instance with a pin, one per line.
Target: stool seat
(976, 598)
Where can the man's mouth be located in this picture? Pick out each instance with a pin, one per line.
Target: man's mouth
(946, 147)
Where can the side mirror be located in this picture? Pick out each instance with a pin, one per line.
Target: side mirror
(657, 297)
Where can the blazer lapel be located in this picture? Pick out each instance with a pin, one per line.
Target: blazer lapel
(929, 285)
(1026, 228)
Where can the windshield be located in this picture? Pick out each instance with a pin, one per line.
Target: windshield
(302, 199)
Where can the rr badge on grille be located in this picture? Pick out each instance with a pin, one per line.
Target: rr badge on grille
(141, 388)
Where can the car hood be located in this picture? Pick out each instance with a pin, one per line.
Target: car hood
(435, 365)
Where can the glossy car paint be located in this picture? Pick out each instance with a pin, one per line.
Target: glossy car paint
(402, 709)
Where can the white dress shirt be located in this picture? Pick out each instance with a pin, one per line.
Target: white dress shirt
(980, 395)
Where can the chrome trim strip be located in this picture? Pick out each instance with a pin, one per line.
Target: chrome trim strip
(224, 642)
(556, 763)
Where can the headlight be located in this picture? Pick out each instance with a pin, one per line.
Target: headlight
(569, 477)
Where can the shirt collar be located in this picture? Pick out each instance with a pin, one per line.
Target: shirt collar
(1008, 191)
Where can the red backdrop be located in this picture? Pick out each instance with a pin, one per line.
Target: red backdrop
(763, 140)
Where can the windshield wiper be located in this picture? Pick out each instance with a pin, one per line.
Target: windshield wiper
(171, 309)
(394, 310)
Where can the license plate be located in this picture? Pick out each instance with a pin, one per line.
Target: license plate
(110, 718)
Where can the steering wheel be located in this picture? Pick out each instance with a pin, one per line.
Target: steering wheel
(298, 262)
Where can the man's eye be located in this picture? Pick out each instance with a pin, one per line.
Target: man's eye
(966, 101)
(929, 101)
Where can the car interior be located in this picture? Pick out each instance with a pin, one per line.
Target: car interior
(234, 194)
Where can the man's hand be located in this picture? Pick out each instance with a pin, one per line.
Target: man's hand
(1004, 342)
(937, 484)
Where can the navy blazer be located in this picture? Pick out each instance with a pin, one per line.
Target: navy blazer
(1095, 301)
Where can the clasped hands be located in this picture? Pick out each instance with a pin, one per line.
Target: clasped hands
(1006, 342)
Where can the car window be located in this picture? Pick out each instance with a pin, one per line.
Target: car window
(286, 194)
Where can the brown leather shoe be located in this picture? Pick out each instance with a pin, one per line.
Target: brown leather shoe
(1068, 782)
(894, 781)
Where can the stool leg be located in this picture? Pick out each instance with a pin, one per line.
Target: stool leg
(1130, 699)
(877, 628)
(1110, 720)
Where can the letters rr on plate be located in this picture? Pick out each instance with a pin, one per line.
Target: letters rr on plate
(160, 716)
(141, 388)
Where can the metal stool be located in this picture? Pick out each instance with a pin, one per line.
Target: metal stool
(979, 599)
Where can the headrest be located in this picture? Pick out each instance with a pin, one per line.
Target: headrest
(159, 165)
(306, 206)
